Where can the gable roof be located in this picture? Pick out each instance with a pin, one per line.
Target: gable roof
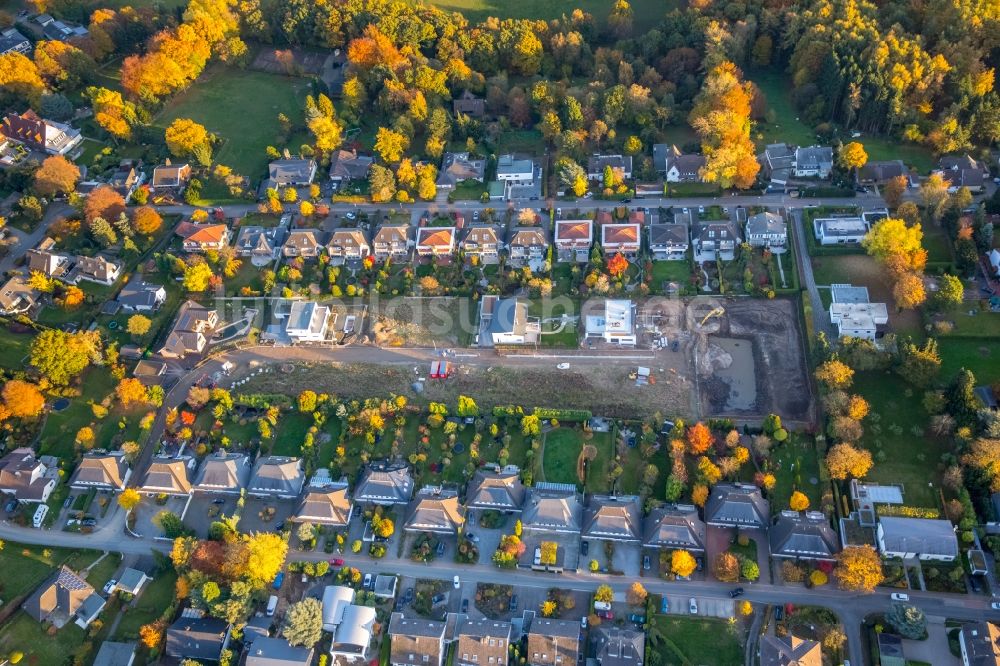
(303, 239)
(789, 650)
(115, 654)
(615, 646)
(808, 536)
(139, 293)
(326, 506)
(197, 638)
(674, 526)
(413, 638)
(229, 472)
(483, 642)
(267, 651)
(497, 490)
(203, 233)
(925, 536)
(668, 234)
(392, 233)
(348, 165)
(483, 234)
(613, 517)
(435, 510)
(170, 175)
(23, 475)
(737, 504)
(982, 643)
(529, 236)
(168, 475)
(16, 295)
(47, 263)
(101, 469)
(99, 268)
(63, 592)
(277, 475)
(385, 484)
(553, 642)
(291, 171)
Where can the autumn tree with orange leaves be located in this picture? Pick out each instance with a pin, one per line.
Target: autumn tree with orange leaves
(721, 117)
(699, 438)
(23, 399)
(617, 265)
(103, 202)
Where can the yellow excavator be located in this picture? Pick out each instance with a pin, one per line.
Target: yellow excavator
(717, 312)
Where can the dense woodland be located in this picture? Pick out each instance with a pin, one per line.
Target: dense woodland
(919, 71)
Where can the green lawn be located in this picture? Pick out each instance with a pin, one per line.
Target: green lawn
(156, 596)
(671, 271)
(795, 465)
(646, 12)
(25, 567)
(976, 354)
(688, 641)
(903, 453)
(101, 572)
(241, 108)
(24, 634)
(982, 324)
(291, 430)
(562, 448)
(14, 348)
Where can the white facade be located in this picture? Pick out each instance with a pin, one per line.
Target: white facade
(839, 230)
(307, 322)
(617, 326)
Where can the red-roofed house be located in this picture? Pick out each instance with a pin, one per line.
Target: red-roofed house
(624, 238)
(435, 241)
(573, 239)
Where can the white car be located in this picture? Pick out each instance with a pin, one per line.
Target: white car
(457, 582)
(899, 596)
(995, 605)
(693, 606)
(110, 586)
(563, 366)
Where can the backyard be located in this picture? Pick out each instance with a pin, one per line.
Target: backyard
(157, 595)
(689, 641)
(25, 567)
(241, 108)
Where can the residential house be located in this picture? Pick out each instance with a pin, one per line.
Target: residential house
(853, 314)
(767, 230)
(435, 241)
(27, 478)
(890, 650)
(38, 134)
(676, 166)
(621, 238)
(553, 642)
(168, 476)
(778, 161)
(223, 473)
(12, 41)
(384, 484)
(349, 245)
(302, 243)
(50, 264)
(101, 471)
(880, 172)
(64, 596)
(963, 171)
(113, 653)
(97, 269)
(553, 508)
(198, 638)
(514, 171)
(789, 650)
(737, 505)
(267, 651)
(290, 173)
(596, 165)
(457, 168)
(506, 321)
(59, 31)
(276, 477)
(131, 581)
(528, 246)
(922, 538)
(392, 241)
(482, 643)
(127, 178)
(469, 104)
(170, 176)
(717, 238)
(329, 506)
(347, 165)
(495, 489)
(203, 237)
(616, 325)
(352, 626)
(813, 162)
(848, 230)
(307, 321)
(803, 536)
(436, 510)
(619, 646)
(140, 296)
(613, 518)
(979, 643)
(483, 242)
(671, 526)
(260, 244)
(415, 641)
(17, 296)
(668, 242)
(573, 239)
(192, 328)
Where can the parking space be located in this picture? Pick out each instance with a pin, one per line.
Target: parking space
(567, 554)
(260, 515)
(717, 540)
(627, 558)
(706, 606)
(205, 509)
(149, 508)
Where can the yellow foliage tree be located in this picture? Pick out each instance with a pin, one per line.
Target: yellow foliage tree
(909, 291)
(636, 594)
(549, 608)
(22, 399)
(835, 374)
(131, 390)
(682, 563)
(859, 568)
(129, 498)
(699, 494)
(184, 136)
(844, 460)
(798, 501)
(852, 156)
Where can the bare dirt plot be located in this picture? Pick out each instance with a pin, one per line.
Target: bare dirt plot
(777, 369)
(416, 322)
(604, 389)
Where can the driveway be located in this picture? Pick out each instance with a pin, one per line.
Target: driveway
(935, 649)
(146, 511)
(707, 606)
(206, 508)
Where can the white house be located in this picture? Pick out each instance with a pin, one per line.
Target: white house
(507, 321)
(813, 161)
(307, 322)
(839, 230)
(853, 314)
(921, 538)
(617, 325)
(513, 171)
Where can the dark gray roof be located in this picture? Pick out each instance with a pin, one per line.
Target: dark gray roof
(616, 518)
(614, 646)
(197, 638)
(814, 157)
(139, 293)
(553, 507)
(982, 643)
(723, 230)
(766, 223)
(115, 654)
(925, 536)
(668, 234)
(385, 484)
(790, 651)
(277, 652)
(509, 316)
(737, 504)
(881, 171)
(806, 536)
(223, 473)
(674, 526)
(501, 491)
(277, 475)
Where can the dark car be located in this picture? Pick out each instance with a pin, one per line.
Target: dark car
(738, 592)
(779, 613)
(626, 201)
(638, 619)
(10, 506)
(218, 501)
(465, 605)
(408, 595)
(438, 599)
(440, 548)
(584, 547)
(645, 562)
(513, 602)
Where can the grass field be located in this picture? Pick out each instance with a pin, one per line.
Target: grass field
(151, 603)
(796, 465)
(25, 635)
(702, 642)
(647, 12)
(562, 448)
(241, 108)
(25, 567)
(976, 354)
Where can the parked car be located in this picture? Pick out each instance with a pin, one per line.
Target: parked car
(472, 537)
(272, 604)
(645, 562)
(110, 585)
(337, 562)
(638, 619)
(278, 580)
(738, 592)
(606, 615)
(779, 613)
(440, 548)
(583, 622)
(218, 501)
(69, 500)
(369, 581)
(664, 605)
(698, 560)
(438, 599)
(899, 596)
(513, 602)
(995, 605)
(408, 595)
(584, 547)
(465, 605)
(693, 606)
(11, 505)
(456, 582)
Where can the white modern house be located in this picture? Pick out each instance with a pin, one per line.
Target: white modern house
(616, 325)
(920, 538)
(853, 314)
(839, 230)
(307, 322)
